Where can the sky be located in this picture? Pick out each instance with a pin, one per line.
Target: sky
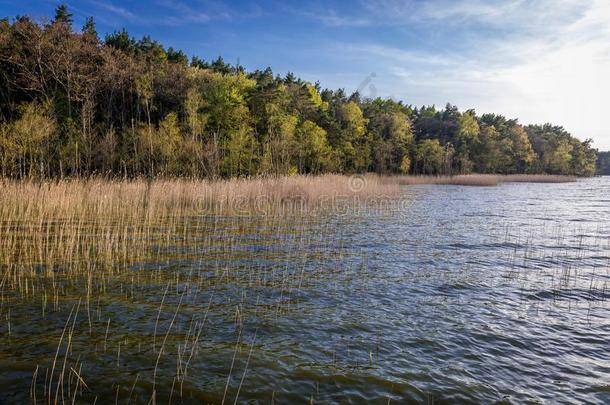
(535, 60)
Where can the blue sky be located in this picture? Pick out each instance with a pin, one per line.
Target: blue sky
(536, 60)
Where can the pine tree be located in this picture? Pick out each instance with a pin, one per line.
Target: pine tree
(62, 15)
(89, 29)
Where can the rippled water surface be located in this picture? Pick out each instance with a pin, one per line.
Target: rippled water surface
(458, 294)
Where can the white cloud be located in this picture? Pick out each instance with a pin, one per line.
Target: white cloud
(533, 14)
(120, 11)
(550, 64)
(332, 19)
(184, 12)
(176, 12)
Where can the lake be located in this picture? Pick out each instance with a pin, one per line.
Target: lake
(448, 294)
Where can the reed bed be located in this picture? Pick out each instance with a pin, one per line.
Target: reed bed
(29, 199)
(73, 251)
(95, 226)
(482, 180)
(64, 222)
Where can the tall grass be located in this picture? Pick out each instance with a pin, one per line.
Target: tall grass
(77, 245)
(87, 225)
(109, 224)
(133, 198)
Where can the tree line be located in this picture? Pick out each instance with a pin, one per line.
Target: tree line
(603, 163)
(73, 104)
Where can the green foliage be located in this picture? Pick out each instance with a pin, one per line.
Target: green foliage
(583, 162)
(405, 165)
(224, 100)
(314, 153)
(487, 153)
(196, 119)
(353, 141)
(147, 48)
(240, 153)
(429, 156)
(603, 164)
(25, 142)
(315, 98)
(391, 130)
(467, 136)
(89, 31)
(523, 155)
(280, 142)
(468, 130)
(62, 15)
(177, 56)
(220, 66)
(73, 104)
(121, 40)
(71, 149)
(159, 147)
(560, 158)
(293, 171)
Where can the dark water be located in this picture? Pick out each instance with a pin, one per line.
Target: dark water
(459, 294)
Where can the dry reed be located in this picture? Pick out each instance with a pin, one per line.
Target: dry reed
(71, 241)
(74, 223)
(484, 180)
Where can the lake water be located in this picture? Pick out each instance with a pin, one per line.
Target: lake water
(456, 294)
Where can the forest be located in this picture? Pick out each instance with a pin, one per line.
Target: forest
(603, 163)
(74, 104)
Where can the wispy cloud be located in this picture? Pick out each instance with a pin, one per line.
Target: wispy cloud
(175, 12)
(332, 19)
(114, 9)
(183, 12)
(506, 13)
(548, 63)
